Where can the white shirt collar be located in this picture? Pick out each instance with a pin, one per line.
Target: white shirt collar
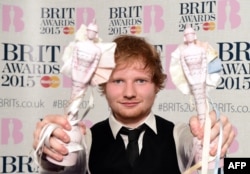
(116, 126)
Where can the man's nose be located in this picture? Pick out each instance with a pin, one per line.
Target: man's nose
(129, 90)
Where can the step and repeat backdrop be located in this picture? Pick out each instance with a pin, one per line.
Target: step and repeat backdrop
(33, 35)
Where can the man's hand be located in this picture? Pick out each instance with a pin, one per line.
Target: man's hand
(227, 130)
(56, 150)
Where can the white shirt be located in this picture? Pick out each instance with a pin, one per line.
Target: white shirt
(116, 126)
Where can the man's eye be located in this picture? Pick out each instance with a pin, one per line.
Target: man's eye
(117, 81)
(141, 81)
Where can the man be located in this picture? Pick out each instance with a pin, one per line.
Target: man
(130, 93)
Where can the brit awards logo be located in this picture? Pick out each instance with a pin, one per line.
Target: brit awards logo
(57, 20)
(135, 19)
(209, 15)
(25, 65)
(64, 20)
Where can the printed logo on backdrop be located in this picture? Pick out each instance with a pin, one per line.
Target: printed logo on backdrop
(53, 20)
(210, 15)
(236, 68)
(12, 135)
(11, 132)
(135, 19)
(17, 164)
(235, 55)
(12, 18)
(64, 20)
(27, 65)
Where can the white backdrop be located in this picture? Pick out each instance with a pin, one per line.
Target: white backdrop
(33, 35)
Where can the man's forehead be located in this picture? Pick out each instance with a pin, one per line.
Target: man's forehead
(138, 65)
(136, 68)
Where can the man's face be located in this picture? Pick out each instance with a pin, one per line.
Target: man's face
(130, 93)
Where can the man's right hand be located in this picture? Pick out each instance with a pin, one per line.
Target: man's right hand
(56, 150)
